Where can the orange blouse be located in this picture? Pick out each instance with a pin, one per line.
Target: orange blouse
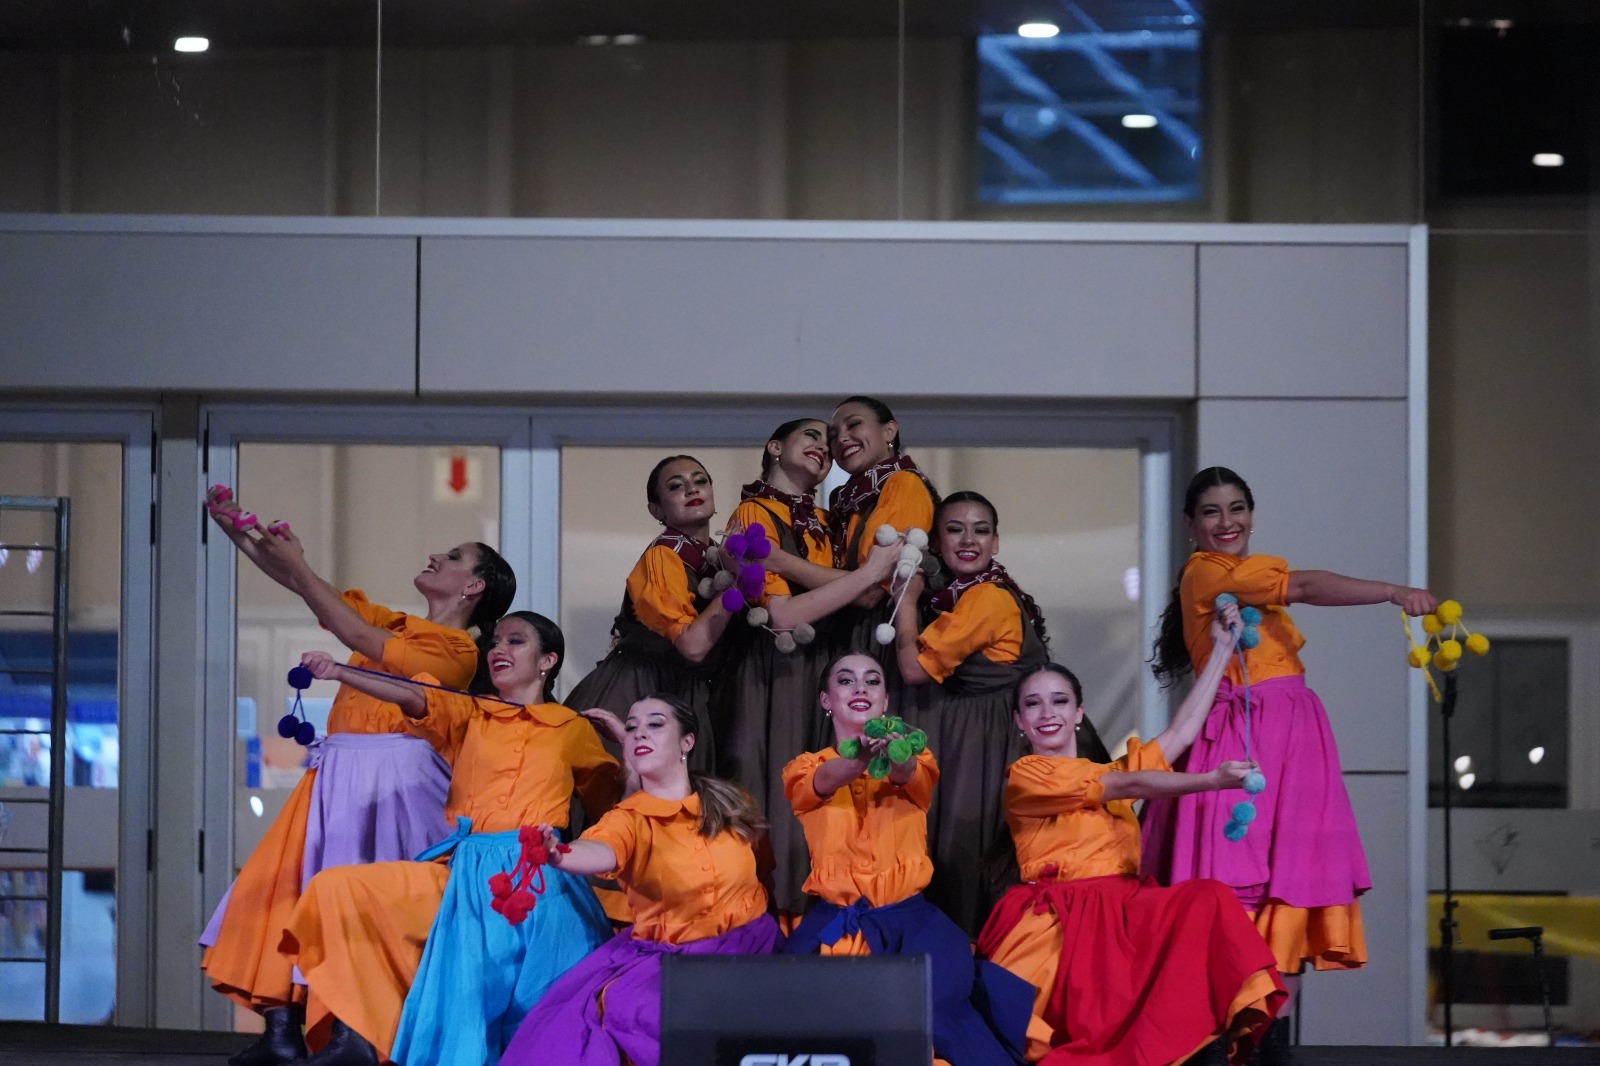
(818, 550)
(418, 646)
(985, 619)
(1059, 816)
(682, 886)
(903, 503)
(869, 839)
(513, 766)
(659, 588)
(1260, 581)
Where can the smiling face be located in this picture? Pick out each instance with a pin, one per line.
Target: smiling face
(1048, 713)
(516, 660)
(450, 574)
(654, 743)
(803, 456)
(859, 440)
(967, 539)
(853, 692)
(1221, 521)
(683, 495)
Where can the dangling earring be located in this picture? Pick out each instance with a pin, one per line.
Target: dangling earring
(684, 757)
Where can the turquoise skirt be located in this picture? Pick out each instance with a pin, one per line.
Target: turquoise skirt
(480, 974)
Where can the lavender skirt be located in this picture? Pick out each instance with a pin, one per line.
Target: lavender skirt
(569, 1026)
(377, 797)
(1303, 848)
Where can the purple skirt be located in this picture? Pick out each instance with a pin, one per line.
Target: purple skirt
(377, 797)
(1303, 848)
(568, 1025)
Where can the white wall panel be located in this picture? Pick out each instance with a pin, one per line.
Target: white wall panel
(693, 317)
(1303, 320)
(310, 314)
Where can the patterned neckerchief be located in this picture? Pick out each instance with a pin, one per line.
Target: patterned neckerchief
(857, 496)
(803, 517)
(945, 599)
(685, 547)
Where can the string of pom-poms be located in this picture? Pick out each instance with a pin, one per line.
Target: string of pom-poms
(1244, 812)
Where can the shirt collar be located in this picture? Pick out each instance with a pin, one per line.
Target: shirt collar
(656, 807)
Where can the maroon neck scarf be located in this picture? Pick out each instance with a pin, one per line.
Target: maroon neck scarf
(857, 496)
(685, 547)
(803, 517)
(945, 599)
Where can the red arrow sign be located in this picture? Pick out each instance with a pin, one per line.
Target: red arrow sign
(458, 474)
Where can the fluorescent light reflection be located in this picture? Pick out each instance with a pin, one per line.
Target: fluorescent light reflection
(256, 806)
(1138, 122)
(1038, 29)
(1536, 755)
(1463, 764)
(191, 44)
(1468, 780)
(1549, 159)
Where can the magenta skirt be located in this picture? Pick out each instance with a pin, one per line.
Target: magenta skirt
(1303, 848)
(568, 1026)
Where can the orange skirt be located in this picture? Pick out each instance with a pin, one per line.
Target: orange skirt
(1326, 938)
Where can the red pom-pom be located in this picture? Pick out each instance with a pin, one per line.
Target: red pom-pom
(500, 885)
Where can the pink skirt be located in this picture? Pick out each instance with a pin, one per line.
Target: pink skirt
(1303, 848)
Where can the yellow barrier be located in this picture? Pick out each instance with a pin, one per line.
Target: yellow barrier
(1571, 923)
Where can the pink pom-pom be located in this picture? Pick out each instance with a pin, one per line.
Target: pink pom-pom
(222, 492)
(733, 601)
(245, 520)
(735, 544)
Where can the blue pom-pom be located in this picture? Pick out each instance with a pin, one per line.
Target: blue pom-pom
(300, 678)
(1244, 812)
(288, 726)
(304, 735)
(1250, 616)
(1225, 598)
(1249, 638)
(1235, 830)
(1255, 782)
(735, 545)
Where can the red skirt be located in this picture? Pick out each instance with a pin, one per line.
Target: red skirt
(1147, 975)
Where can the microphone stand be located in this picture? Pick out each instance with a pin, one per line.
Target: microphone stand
(1447, 920)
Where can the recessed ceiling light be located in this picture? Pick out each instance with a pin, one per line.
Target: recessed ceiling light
(628, 38)
(594, 39)
(1138, 122)
(1549, 159)
(190, 44)
(1038, 29)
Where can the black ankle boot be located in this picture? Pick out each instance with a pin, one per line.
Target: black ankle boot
(280, 1044)
(1213, 1054)
(1274, 1047)
(347, 1048)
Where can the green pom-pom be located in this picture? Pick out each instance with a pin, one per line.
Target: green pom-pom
(918, 740)
(900, 750)
(850, 748)
(876, 728)
(879, 767)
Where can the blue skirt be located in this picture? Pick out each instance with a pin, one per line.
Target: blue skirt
(479, 973)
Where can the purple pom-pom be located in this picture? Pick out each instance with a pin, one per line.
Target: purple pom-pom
(732, 600)
(760, 549)
(288, 725)
(300, 677)
(735, 545)
(755, 534)
(305, 734)
(752, 578)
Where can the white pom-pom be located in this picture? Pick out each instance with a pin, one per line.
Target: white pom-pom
(904, 570)
(713, 555)
(784, 642)
(804, 633)
(884, 634)
(886, 535)
(910, 554)
(917, 538)
(708, 588)
(723, 580)
(757, 616)
(929, 563)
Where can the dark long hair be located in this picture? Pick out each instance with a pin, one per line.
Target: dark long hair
(1035, 615)
(1169, 655)
(723, 804)
(551, 639)
(652, 491)
(499, 589)
(1090, 746)
(880, 410)
(781, 434)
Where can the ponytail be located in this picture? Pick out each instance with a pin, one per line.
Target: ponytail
(724, 805)
(1169, 655)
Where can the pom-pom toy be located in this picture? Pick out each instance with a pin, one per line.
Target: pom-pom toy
(904, 743)
(243, 521)
(294, 725)
(742, 586)
(1442, 646)
(515, 893)
(911, 560)
(1244, 812)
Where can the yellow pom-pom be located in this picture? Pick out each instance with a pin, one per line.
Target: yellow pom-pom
(1431, 624)
(1478, 644)
(1440, 662)
(1449, 612)
(1450, 649)
(1418, 657)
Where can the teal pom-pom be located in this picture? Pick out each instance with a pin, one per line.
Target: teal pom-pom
(1255, 782)
(1249, 638)
(1225, 598)
(1244, 812)
(1250, 616)
(1235, 830)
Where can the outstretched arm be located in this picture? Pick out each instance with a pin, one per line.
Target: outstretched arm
(790, 611)
(1323, 588)
(408, 698)
(1191, 714)
(583, 857)
(1150, 784)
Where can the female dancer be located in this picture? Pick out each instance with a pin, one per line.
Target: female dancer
(371, 938)
(985, 635)
(765, 714)
(667, 636)
(1300, 868)
(373, 792)
(869, 864)
(681, 847)
(1125, 971)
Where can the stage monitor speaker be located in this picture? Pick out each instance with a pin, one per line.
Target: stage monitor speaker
(795, 1010)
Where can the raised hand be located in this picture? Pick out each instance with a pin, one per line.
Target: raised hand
(323, 666)
(607, 723)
